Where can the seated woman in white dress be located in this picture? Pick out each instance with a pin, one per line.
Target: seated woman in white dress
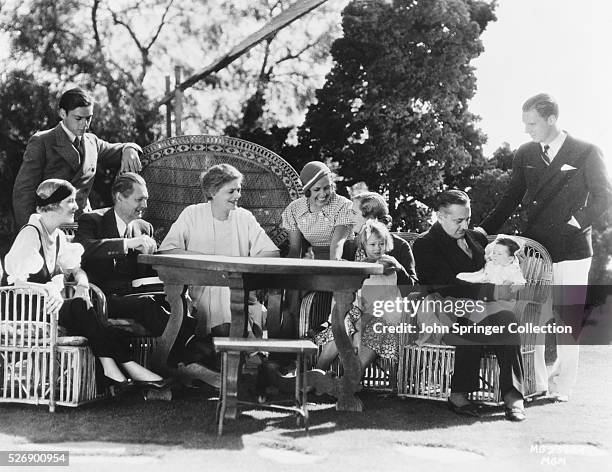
(218, 227)
(41, 254)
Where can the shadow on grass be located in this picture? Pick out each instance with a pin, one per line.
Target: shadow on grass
(189, 420)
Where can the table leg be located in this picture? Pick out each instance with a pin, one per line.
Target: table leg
(350, 382)
(239, 305)
(164, 344)
(342, 388)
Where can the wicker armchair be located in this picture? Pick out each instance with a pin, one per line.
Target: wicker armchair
(171, 168)
(425, 371)
(37, 364)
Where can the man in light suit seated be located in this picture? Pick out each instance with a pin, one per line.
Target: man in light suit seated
(113, 237)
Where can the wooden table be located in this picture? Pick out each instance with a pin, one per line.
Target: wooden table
(243, 274)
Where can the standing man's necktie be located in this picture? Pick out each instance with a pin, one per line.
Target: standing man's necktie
(545, 156)
(79, 145)
(462, 243)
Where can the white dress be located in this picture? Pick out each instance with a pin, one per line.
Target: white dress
(240, 235)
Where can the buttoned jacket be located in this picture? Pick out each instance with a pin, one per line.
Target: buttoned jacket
(575, 185)
(50, 154)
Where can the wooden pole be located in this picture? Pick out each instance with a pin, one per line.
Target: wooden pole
(168, 110)
(178, 102)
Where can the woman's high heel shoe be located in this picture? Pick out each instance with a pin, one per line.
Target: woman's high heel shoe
(154, 384)
(117, 387)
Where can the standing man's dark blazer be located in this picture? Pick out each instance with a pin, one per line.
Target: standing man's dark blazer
(438, 259)
(50, 154)
(110, 267)
(575, 185)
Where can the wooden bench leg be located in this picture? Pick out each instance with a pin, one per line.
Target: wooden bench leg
(222, 403)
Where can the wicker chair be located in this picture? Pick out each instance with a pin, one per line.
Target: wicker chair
(37, 364)
(172, 167)
(315, 310)
(425, 371)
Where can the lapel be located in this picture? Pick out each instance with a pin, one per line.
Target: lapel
(109, 225)
(64, 148)
(91, 155)
(552, 175)
(474, 244)
(454, 255)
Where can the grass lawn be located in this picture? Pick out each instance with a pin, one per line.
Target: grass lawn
(181, 434)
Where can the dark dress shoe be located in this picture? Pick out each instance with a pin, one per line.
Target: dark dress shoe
(154, 384)
(469, 409)
(515, 414)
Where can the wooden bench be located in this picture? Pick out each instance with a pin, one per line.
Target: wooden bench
(300, 347)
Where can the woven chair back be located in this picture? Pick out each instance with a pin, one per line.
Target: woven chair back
(172, 167)
(536, 263)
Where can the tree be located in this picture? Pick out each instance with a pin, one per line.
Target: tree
(394, 109)
(120, 50)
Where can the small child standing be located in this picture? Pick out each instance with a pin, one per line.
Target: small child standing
(501, 268)
(374, 241)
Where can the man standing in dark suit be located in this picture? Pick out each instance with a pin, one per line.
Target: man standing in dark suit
(448, 248)
(563, 185)
(113, 238)
(68, 152)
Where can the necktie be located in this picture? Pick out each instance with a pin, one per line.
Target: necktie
(545, 156)
(79, 146)
(462, 243)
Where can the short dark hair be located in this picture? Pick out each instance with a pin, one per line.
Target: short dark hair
(124, 184)
(451, 197)
(216, 177)
(75, 98)
(509, 243)
(373, 205)
(543, 103)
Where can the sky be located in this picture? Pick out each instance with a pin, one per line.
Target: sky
(562, 47)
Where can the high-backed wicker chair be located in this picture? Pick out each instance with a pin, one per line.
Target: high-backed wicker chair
(172, 167)
(37, 365)
(425, 371)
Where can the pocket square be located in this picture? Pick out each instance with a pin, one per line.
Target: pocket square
(567, 167)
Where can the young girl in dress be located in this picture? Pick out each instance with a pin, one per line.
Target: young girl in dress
(501, 268)
(372, 340)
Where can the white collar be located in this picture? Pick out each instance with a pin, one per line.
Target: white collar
(555, 144)
(121, 225)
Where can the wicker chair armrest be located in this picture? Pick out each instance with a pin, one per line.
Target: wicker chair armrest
(98, 299)
(305, 307)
